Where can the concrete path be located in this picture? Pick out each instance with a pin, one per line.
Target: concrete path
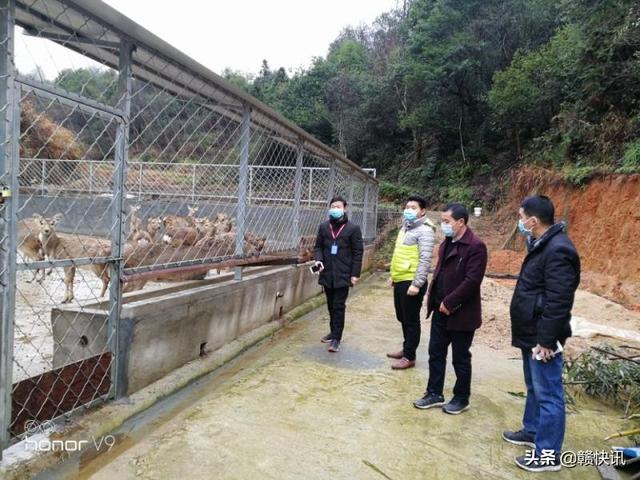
(290, 410)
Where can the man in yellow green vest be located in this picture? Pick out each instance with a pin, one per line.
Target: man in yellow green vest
(409, 269)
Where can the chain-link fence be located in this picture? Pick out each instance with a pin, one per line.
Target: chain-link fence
(124, 163)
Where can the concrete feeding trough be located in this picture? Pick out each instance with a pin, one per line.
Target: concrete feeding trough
(162, 329)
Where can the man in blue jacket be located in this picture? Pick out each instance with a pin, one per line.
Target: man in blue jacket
(540, 324)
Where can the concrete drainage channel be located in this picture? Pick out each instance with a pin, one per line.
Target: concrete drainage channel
(176, 337)
(137, 426)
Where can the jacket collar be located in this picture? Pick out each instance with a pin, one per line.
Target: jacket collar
(410, 225)
(553, 230)
(466, 238)
(340, 221)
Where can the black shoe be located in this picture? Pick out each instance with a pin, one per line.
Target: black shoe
(456, 406)
(335, 346)
(535, 463)
(430, 400)
(327, 338)
(519, 438)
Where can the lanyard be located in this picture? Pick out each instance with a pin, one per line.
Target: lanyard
(335, 235)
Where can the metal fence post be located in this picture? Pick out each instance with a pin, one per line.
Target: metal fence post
(250, 185)
(90, 177)
(298, 193)
(9, 159)
(332, 180)
(375, 211)
(119, 215)
(352, 186)
(365, 210)
(44, 177)
(245, 137)
(193, 185)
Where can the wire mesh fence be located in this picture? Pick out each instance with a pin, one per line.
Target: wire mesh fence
(123, 164)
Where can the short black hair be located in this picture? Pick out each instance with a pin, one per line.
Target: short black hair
(418, 199)
(541, 207)
(338, 198)
(458, 211)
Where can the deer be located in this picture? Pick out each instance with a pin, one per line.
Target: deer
(30, 246)
(137, 233)
(55, 247)
(154, 225)
(179, 237)
(172, 222)
(254, 244)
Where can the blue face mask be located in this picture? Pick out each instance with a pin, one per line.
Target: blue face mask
(447, 230)
(336, 213)
(410, 215)
(523, 230)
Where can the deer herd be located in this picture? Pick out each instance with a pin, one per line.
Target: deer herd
(184, 237)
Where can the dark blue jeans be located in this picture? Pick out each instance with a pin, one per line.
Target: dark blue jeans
(544, 411)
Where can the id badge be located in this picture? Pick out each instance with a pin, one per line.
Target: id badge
(334, 249)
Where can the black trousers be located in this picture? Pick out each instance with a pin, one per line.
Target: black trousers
(408, 314)
(438, 346)
(336, 300)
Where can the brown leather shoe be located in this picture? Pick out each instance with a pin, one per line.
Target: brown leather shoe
(396, 355)
(403, 364)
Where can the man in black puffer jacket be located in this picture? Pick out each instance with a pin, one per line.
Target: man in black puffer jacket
(540, 325)
(338, 252)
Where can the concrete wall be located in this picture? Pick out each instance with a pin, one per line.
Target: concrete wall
(162, 329)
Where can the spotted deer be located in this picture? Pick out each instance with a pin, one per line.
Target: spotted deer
(58, 248)
(30, 245)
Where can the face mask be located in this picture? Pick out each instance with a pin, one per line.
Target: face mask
(336, 213)
(410, 215)
(447, 229)
(523, 230)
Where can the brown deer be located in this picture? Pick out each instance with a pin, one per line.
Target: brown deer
(55, 247)
(137, 233)
(172, 222)
(179, 237)
(30, 245)
(254, 244)
(154, 225)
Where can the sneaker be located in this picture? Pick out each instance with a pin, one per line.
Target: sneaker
(519, 438)
(403, 364)
(335, 346)
(430, 400)
(327, 338)
(456, 406)
(534, 463)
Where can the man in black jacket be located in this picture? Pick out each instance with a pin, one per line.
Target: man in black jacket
(540, 324)
(338, 253)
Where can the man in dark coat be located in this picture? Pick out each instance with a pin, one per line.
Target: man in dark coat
(454, 299)
(338, 253)
(540, 325)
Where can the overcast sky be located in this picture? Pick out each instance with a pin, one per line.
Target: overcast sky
(234, 33)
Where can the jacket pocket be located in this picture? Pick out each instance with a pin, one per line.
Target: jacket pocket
(539, 305)
(523, 315)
